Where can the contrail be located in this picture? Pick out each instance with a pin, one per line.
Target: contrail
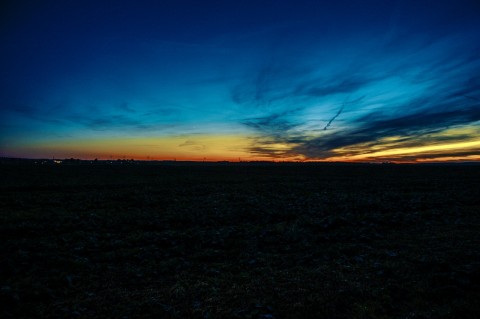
(333, 118)
(340, 111)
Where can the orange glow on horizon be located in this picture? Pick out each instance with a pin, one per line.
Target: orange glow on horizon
(234, 148)
(180, 148)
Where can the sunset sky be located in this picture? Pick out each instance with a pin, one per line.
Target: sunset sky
(249, 80)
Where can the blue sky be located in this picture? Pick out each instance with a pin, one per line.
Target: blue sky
(295, 80)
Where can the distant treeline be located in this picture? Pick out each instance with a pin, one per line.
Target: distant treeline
(76, 161)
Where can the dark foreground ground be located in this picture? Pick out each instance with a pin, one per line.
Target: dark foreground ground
(233, 241)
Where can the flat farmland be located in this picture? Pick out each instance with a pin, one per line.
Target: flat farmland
(239, 241)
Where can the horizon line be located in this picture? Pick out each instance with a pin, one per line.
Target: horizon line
(72, 160)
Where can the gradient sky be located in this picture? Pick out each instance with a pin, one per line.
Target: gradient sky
(250, 80)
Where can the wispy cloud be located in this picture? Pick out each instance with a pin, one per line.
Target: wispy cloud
(192, 145)
(410, 98)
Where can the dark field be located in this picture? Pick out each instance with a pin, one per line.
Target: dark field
(240, 241)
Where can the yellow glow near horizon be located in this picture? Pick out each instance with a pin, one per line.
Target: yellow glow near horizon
(450, 158)
(233, 147)
(196, 147)
(429, 147)
(436, 152)
(421, 149)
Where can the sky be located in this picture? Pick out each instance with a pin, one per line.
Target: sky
(299, 80)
